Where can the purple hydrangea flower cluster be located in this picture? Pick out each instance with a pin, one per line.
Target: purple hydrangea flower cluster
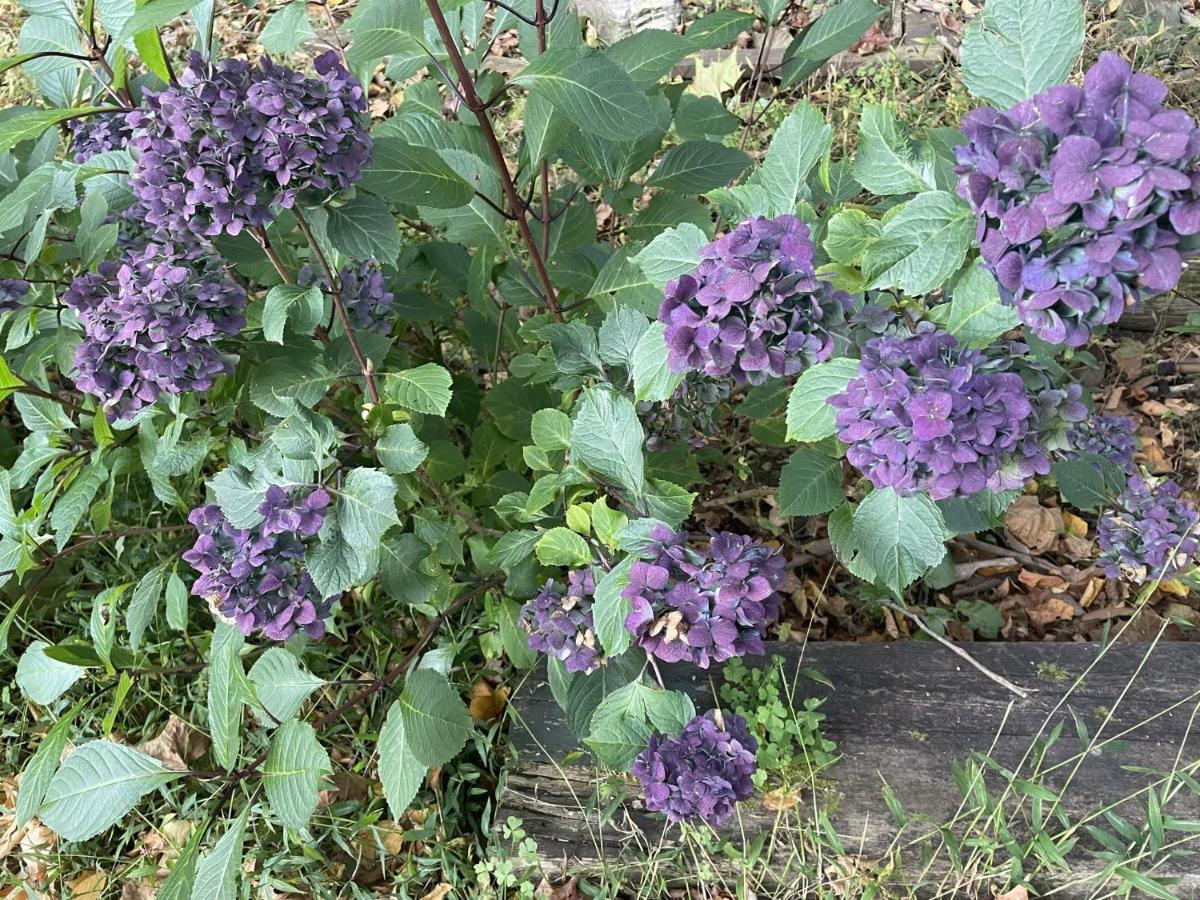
(99, 134)
(753, 308)
(1113, 437)
(364, 293)
(1083, 195)
(254, 577)
(11, 292)
(928, 414)
(228, 144)
(703, 606)
(151, 320)
(1154, 534)
(701, 773)
(560, 624)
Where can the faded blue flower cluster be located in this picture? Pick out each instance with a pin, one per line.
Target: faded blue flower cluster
(364, 293)
(230, 144)
(151, 322)
(254, 577)
(702, 773)
(1152, 534)
(11, 292)
(703, 606)
(690, 414)
(560, 623)
(927, 414)
(1113, 437)
(753, 308)
(99, 134)
(1083, 195)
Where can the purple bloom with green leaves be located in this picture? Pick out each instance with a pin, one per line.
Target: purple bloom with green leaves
(99, 133)
(753, 308)
(1085, 196)
(702, 773)
(254, 577)
(152, 320)
(11, 292)
(703, 606)
(231, 144)
(364, 293)
(926, 414)
(1153, 533)
(1113, 437)
(560, 624)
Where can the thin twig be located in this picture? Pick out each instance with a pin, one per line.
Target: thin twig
(260, 235)
(958, 651)
(335, 290)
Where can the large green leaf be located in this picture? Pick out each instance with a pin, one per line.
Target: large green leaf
(225, 694)
(673, 253)
(425, 389)
(922, 245)
(648, 55)
(901, 538)
(292, 772)
(399, 769)
(96, 786)
(694, 167)
(798, 144)
(810, 484)
(144, 603)
(887, 161)
(610, 609)
(653, 379)
(287, 29)
(39, 771)
(153, 14)
(281, 684)
(975, 313)
(607, 437)
(366, 507)
(591, 91)
(436, 723)
(217, 873)
(836, 30)
(43, 679)
(404, 173)
(809, 417)
(1017, 48)
(363, 228)
(400, 450)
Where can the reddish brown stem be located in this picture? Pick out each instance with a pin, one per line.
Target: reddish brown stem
(472, 101)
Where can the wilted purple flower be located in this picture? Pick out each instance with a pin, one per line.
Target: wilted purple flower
(560, 625)
(11, 292)
(364, 292)
(1113, 437)
(928, 414)
(690, 414)
(1083, 195)
(151, 320)
(753, 308)
(1152, 535)
(701, 773)
(255, 577)
(230, 143)
(99, 134)
(703, 606)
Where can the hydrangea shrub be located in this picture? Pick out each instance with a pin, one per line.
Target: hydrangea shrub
(296, 365)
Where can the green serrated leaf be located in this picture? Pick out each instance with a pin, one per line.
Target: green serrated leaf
(292, 772)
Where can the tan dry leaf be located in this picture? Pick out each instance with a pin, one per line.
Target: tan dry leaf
(440, 892)
(1074, 524)
(487, 703)
(1017, 893)
(1075, 548)
(568, 890)
(781, 798)
(89, 886)
(36, 844)
(715, 79)
(1091, 592)
(1052, 609)
(138, 890)
(177, 745)
(1034, 525)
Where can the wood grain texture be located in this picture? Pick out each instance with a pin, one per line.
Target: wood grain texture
(904, 713)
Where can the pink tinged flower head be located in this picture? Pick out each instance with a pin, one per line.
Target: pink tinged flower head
(1075, 169)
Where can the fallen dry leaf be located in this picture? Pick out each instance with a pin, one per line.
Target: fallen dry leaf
(1017, 893)
(89, 886)
(781, 798)
(1052, 609)
(487, 703)
(568, 890)
(440, 892)
(1034, 525)
(138, 890)
(177, 745)
(36, 844)
(1074, 524)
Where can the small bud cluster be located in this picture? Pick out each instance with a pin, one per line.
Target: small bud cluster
(364, 293)
(753, 308)
(151, 321)
(11, 292)
(701, 773)
(99, 134)
(560, 624)
(926, 414)
(1153, 534)
(1083, 195)
(254, 577)
(703, 606)
(229, 144)
(690, 415)
(1113, 437)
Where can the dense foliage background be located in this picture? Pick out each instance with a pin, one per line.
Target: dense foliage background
(342, 386)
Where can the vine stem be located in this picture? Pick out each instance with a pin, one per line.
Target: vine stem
(958, 651)
(475, 104)
(335, 290)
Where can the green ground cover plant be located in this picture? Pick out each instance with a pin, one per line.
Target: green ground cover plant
(323, 417)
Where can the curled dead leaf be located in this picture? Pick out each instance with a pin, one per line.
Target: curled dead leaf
(88, 886)
(440, 892)
(781, 798)
(1034, 525)
(1017, 893)
(487, 703)
(177, 745)
(1052, 609)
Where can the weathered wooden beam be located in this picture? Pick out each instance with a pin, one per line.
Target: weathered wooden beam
(905, 714)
